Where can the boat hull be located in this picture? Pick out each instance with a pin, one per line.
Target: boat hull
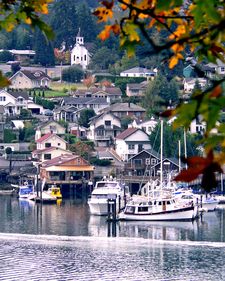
(100, 207)
(184, 214)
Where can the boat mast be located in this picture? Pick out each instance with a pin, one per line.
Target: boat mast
(161, 159)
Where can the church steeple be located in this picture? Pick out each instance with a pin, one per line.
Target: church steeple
(79, 38)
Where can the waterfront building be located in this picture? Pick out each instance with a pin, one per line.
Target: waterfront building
(66, 170)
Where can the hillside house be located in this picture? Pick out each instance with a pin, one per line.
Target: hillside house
(14, 101)
(138, 72)
(48, 153)
(104, 128)
(27, 79)
(130, 142)
(52, 127)
(122, 110)
(109, 93)
(50, 140)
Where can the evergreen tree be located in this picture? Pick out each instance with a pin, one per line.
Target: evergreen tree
(44, 50)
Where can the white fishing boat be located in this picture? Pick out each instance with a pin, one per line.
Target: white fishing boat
(105, 190)
(158, 209)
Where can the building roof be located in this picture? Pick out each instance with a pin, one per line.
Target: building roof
(107, 90)
(138, 69)
(127, 133)
(32, 75)
(124, 107)
(48, 122)
(17, 94)
(45, 137)
(48, 149)
(84, 100)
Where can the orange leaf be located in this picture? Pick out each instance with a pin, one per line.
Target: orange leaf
(188, 175)
(105, 33)
(217, 91)
(173, 61)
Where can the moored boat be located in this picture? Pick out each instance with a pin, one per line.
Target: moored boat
(158, 209)
(103, 191)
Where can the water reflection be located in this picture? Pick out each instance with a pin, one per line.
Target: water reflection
(72, 218)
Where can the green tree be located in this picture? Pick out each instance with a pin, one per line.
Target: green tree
(85, 116)
(72, 74)
(102, 59)
(43, 47)
(5, 56)
(170, 141)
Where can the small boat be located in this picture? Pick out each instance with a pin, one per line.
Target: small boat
(158, 209)
(25, 189)
(42, 197)
(104, 191)
(55, 191)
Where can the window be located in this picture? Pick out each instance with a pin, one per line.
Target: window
(142, 209)
(147, 161)
(100, 133)
(108, 123)
(153, 161)
(48, 144)
(140, 147)
(131, 146)
(138, 162)
(59, 143)
(47, 156)
(85, 57)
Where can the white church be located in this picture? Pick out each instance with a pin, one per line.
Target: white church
(80, 54)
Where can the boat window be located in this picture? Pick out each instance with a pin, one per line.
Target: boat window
(160, 203)
(99, 196)
(106, 184)
(130, 209)
(143, 209)
(168, 202)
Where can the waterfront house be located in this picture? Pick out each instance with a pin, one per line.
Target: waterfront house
(143, 163)
(126, 109)
(104, 128)
(130, 142)
(66, 169)
(27, 79)
(50, 140)
(48, 153)
(138, 72)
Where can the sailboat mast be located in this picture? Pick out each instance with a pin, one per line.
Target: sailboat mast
(161, 156)
(185, 146)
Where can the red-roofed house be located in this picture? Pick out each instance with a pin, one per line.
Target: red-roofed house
(130, 142)
(50, 140)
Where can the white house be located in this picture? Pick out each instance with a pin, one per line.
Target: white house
(104, 128)
(80, 54)
(14, 101)
(219, 67)
(130, 142)
(52, 127)
(148, 126)
(189, 83)
(50, 140)
(26, 79)
(49, 153)
(138, 72)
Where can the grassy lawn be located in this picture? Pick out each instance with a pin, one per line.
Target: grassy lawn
(55, 94)
(57, 86)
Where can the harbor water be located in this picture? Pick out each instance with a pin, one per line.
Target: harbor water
(64, 242)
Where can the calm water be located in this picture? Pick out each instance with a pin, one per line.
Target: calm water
(63, 242)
